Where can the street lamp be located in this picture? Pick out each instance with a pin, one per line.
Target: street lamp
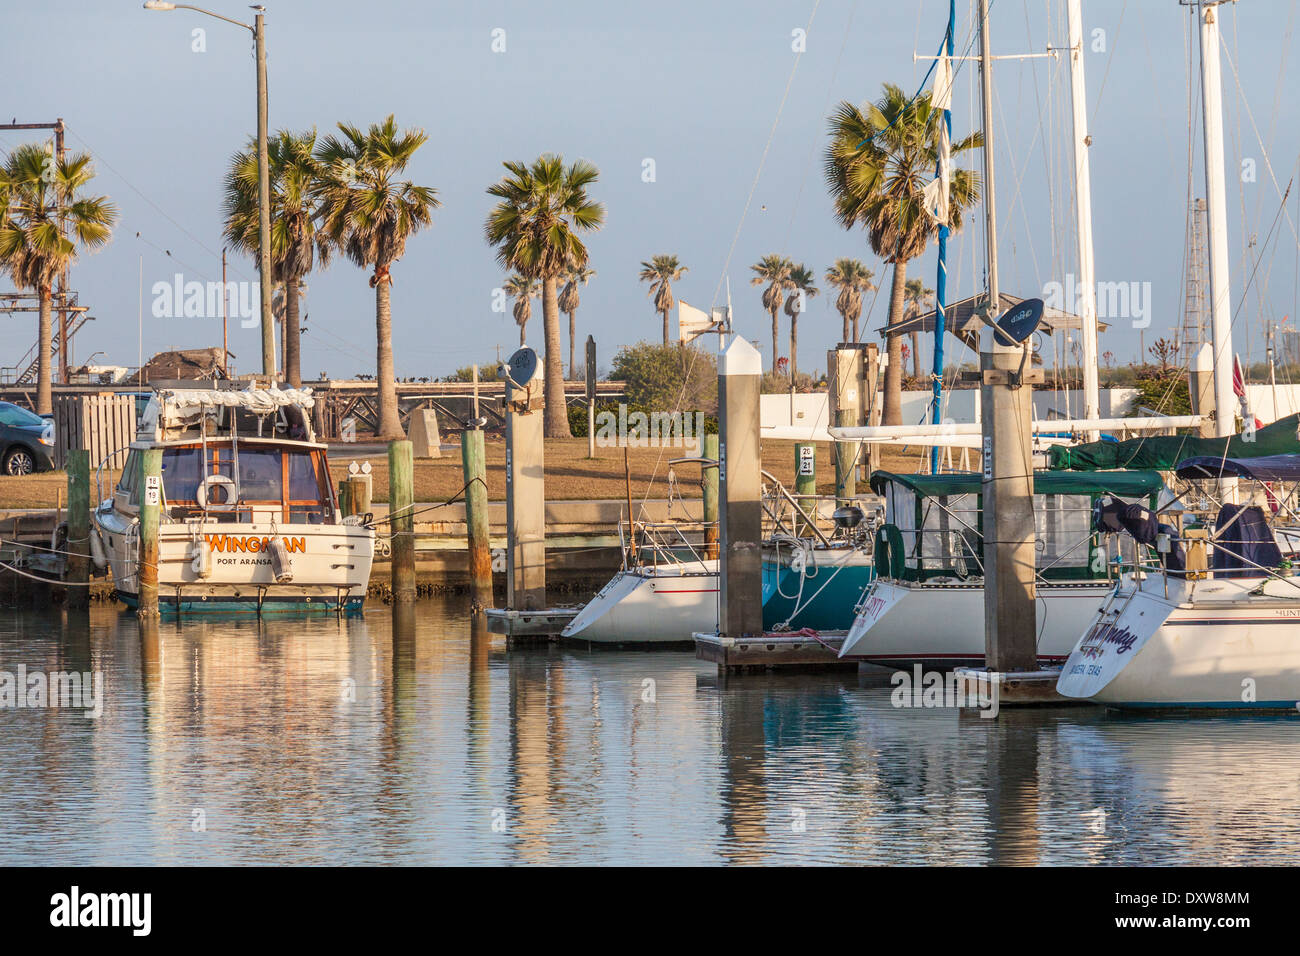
(258, 29)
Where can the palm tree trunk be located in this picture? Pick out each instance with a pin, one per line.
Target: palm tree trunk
(664, 313)
(573, 360)
(916, 355)
(776, 335)
(44, 360)
(855, 329)
(794, 347)
(892, 413)
(523, 337)
(844, 335)
(557, 413)
(292, 335)
(390, 425)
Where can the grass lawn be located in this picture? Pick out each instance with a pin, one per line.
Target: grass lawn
(569, 474)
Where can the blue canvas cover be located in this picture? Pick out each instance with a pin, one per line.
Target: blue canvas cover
(1245, 537)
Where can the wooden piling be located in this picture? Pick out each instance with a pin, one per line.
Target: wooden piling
(709, 477)
(473, 461)
(401, 520)
(360, 494)
(151, 490)
(78, 570)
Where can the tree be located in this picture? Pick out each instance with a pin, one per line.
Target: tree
(369, 214)
(880, 158)
(296, 182)
(535, 228)
(658, 377)
(1164, 351)
(852, 278)
(917, 298)
(661, 272)
(40, 190)
(801, 290)
(774, 271)
(522, 291)
(569, 302)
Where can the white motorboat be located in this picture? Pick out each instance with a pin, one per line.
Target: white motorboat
(248, 519)
(1215, 624)
(926, 605)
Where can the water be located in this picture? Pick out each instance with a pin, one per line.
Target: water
(351, 742)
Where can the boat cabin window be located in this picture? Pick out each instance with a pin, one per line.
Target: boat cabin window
(128, 482)
(1063, 531)
(295, 480)
(950, 534)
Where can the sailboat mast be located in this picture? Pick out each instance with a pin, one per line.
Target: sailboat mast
(941, 279)
(990, 206)
(1216, 205)
(1087, 300)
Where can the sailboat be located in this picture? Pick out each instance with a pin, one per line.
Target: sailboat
(1214, 623)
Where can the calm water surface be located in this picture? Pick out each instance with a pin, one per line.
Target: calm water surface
(365, 741)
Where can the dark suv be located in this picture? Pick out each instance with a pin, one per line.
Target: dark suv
(26, 441)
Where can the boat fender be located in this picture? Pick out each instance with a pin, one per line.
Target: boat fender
(97, 553)
(227, 500)
(201, 558)
(281, 562)
(888, 553)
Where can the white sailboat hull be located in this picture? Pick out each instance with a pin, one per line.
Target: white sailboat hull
(1206, 644)
(943, 624)
(664, 605)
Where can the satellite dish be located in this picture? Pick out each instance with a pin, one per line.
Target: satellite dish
(1019, 322)
(522, 367)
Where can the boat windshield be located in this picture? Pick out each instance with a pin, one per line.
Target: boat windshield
(296, 479)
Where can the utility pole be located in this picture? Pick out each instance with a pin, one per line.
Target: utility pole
(263, 199)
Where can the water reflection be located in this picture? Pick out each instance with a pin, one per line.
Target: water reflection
(414, 737)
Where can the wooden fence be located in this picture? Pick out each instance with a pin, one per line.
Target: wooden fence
(102, 423)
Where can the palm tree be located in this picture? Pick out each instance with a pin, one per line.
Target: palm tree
(917, 298)
(801, 290)
(852, 278)
(295, 185)
(880, 158)
(661, 272)
(369, 214)
(40, 191)
(535, 227)
(522, 291)
(569, 302)
(775, 272)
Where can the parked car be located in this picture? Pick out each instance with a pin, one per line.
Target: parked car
(26, 441)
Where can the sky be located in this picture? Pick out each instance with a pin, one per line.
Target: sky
(716, 95)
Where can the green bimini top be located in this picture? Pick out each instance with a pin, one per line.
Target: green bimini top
(1166, 451)
(1125, 484)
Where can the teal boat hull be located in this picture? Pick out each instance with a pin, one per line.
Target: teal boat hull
(828, 597)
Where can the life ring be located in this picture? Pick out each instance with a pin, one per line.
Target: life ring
(217, 481)
(888, 553)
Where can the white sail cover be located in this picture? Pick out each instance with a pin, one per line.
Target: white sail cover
(180, 408)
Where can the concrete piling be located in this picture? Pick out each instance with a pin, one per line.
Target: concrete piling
(805, 484)
(740, 373)
(401, 520)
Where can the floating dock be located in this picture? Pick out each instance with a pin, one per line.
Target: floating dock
(802, 650)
